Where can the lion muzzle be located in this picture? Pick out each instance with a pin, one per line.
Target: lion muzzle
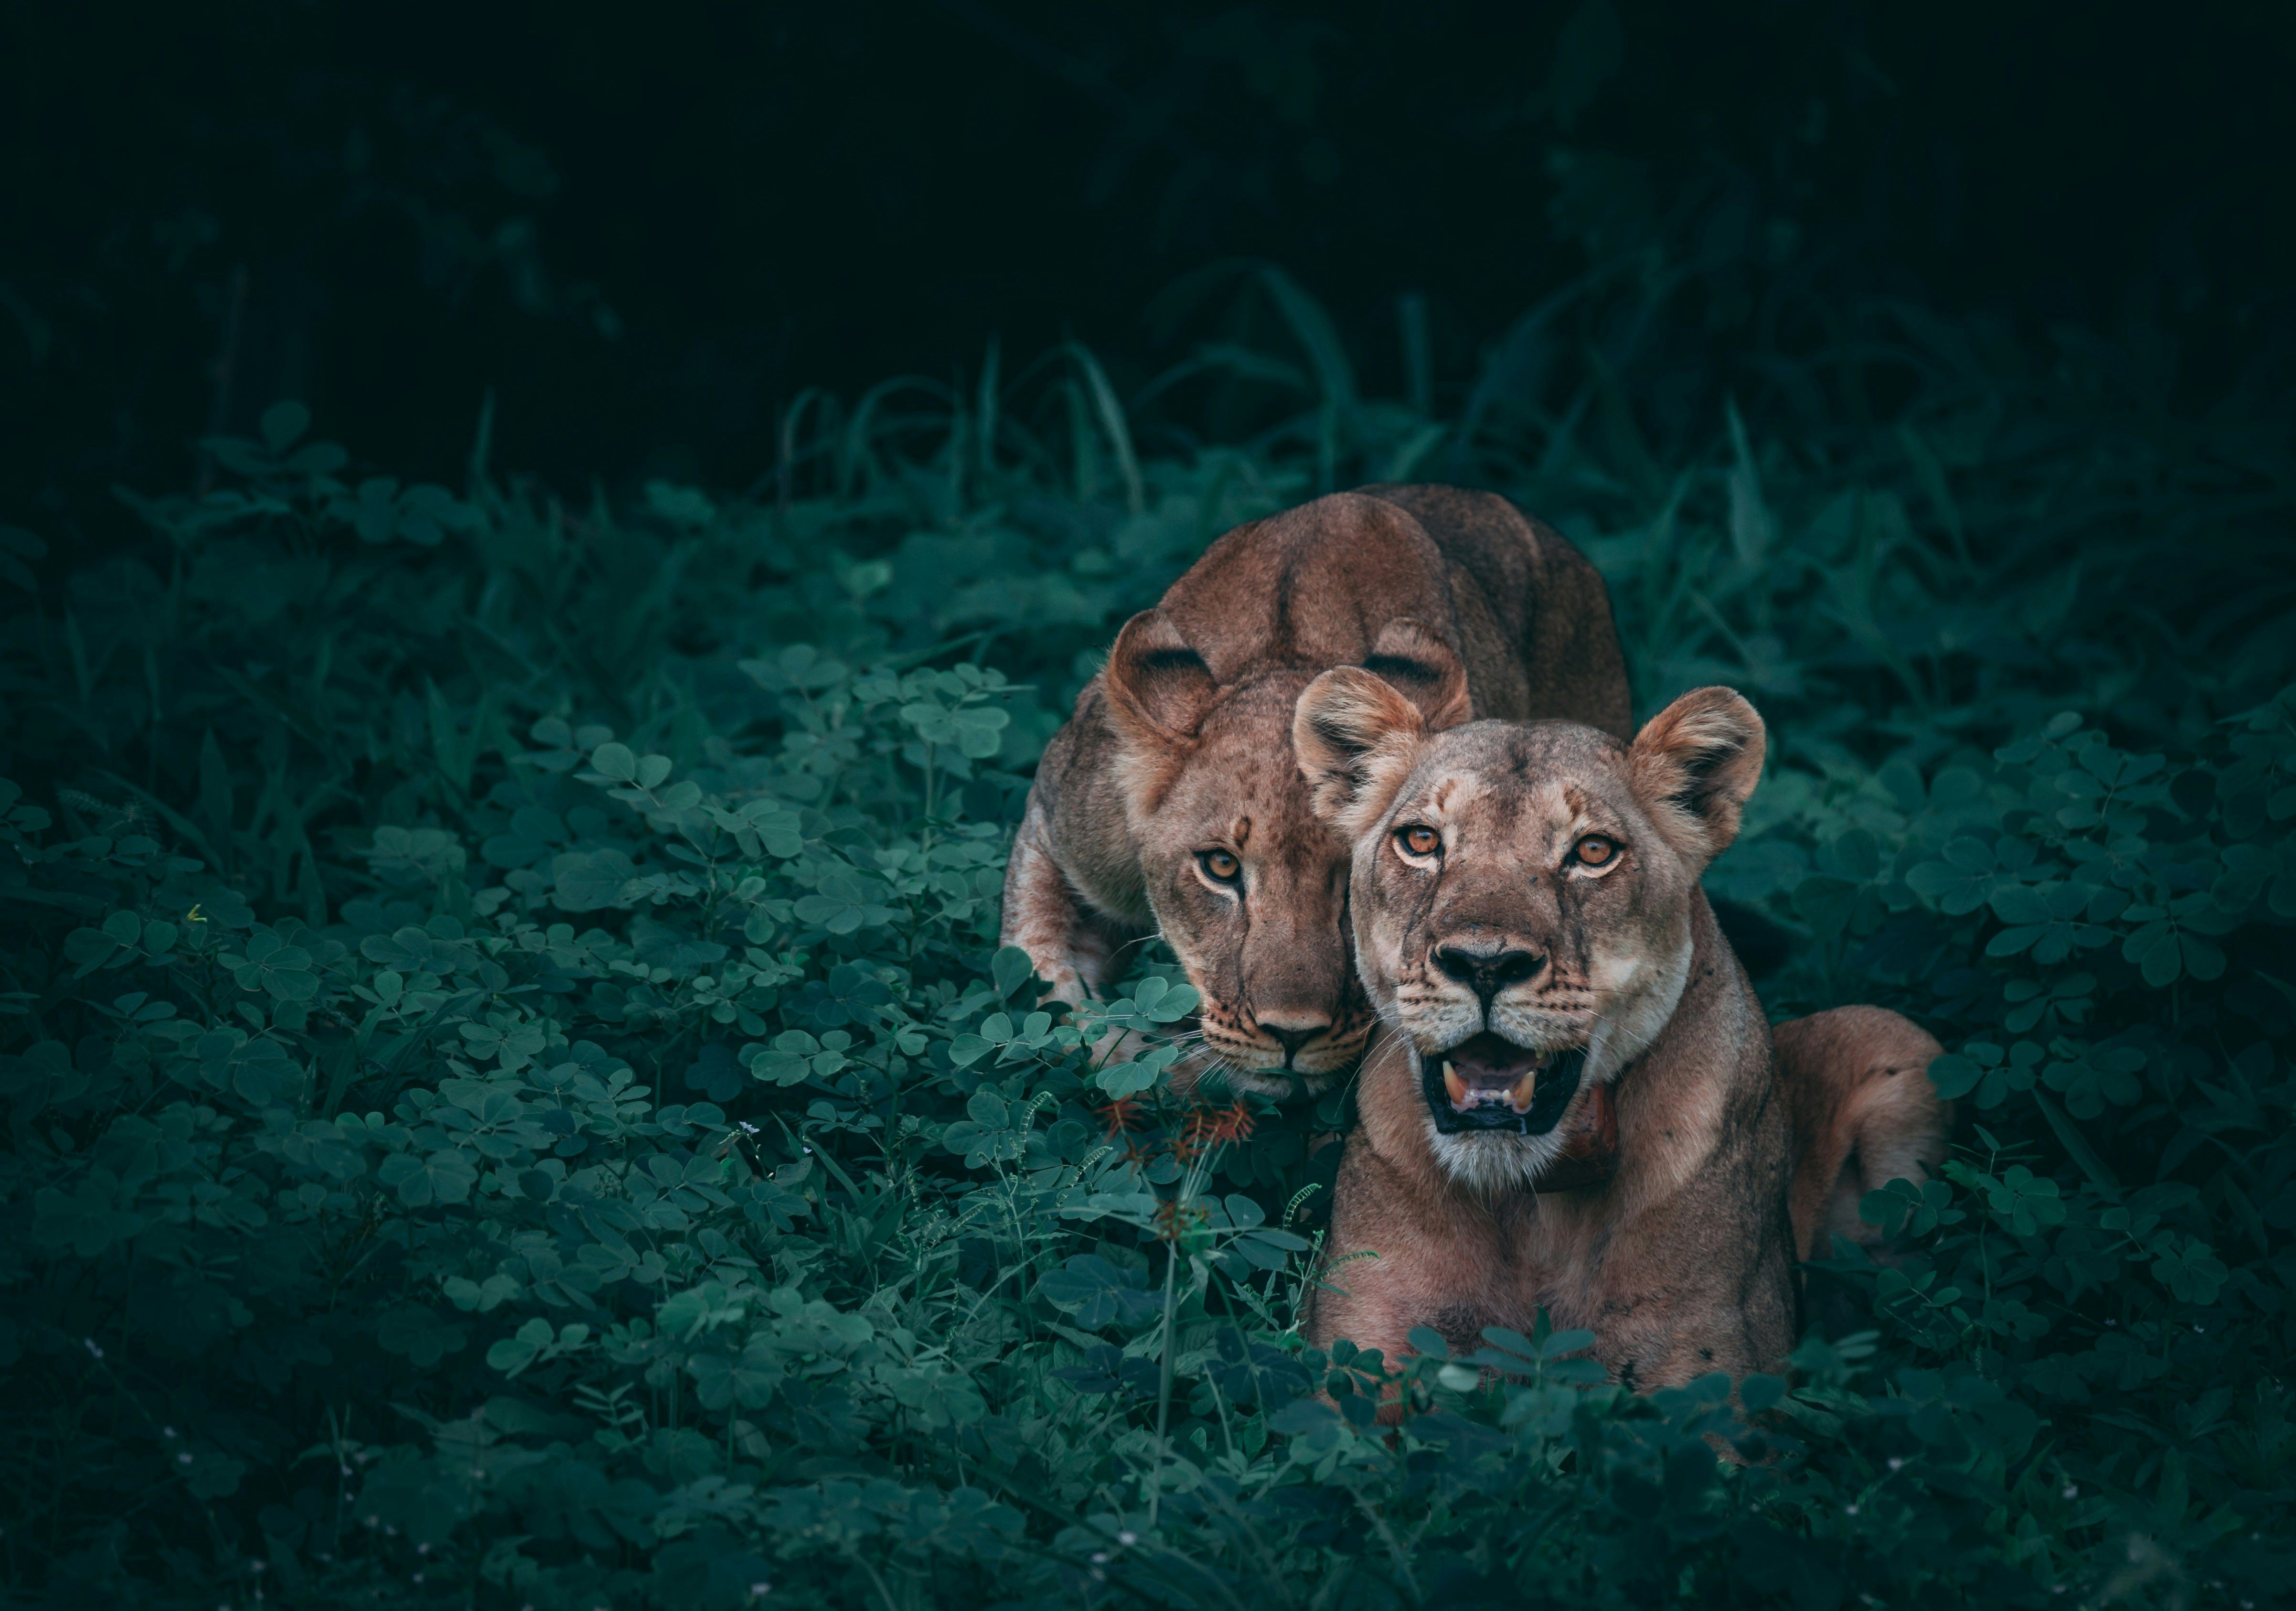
(1487, 1082)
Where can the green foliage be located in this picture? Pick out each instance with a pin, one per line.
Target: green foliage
(515, 1099)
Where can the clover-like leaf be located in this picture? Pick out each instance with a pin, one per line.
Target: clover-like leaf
(2096, 1078)
(271, 964)
(842, 905)
(1009, 968)
(1137, 1074)
(282, 424)
(424, 1179)
(2190, 1268)
(2023, 1201)
(747, 1378)
(1986, 1069)
(408, 858)
(588, 880)
(1097, 1293)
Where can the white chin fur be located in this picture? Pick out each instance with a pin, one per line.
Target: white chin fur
(1492, 1162)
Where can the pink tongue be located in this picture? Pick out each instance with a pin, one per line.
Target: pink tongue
(1486, 1061)
(1485, 1086)
(1488, 1071)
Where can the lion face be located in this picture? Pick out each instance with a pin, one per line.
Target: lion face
(1250, 892)
(1249, 887)
(1522, 897)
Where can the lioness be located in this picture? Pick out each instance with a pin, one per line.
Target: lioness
(1573, 1102)
(1170, 803)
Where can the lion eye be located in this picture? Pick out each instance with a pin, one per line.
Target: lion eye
(1594, 851)
(1221, 867)
(1419, 840)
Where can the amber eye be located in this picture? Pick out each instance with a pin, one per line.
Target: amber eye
(1419, 839)
(1220, 867)
(1595, 851)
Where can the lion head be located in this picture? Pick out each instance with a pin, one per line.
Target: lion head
(1247, 887)
(1522, 896)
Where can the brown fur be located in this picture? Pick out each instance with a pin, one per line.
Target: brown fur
(1182, 745)
(1721, 1166)
(1857, 1086)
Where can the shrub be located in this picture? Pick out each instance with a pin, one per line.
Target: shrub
(515, 1099)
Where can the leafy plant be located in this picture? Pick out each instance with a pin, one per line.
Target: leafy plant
(515, 1099)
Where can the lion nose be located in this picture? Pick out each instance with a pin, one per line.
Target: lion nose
(1293, 1035)
(1487, 973)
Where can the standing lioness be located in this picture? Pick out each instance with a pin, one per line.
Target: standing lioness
(1573, 1104)
(1170, 802)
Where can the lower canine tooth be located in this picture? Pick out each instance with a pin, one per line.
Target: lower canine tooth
(1519, 1093)
(1453, 1084)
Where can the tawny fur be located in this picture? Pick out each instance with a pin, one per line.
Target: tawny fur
(1864, 1114)
(1182, 744)
(1729, 1162)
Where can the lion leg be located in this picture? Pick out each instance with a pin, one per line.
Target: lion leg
(1073, 949)
(1370, 1299)
(1389, 1268)
(1857, 1081)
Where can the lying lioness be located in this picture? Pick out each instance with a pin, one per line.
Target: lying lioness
(1573, 1103)
(1170, 802)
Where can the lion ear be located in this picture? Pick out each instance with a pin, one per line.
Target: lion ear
(1693, 765)
(1356, 737)
(1158, 688)
(1425, 669)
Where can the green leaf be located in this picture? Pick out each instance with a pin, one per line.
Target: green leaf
(2188, 1268)
(1096, 1293)
(2023, 1201)
(422, 1179)
(687, 1314)
(590, 881)
(2155, 950)
(1129, 1079)
(616, 761)
(515, 1353)
(209, 1475)
(980, 730)
(747, 1378)
(1010, 969)
(282, 425)
(88, 1220)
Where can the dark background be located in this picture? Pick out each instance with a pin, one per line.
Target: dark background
(647, 229)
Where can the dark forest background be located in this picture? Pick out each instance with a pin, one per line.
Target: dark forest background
(540, 545)
(646, 232)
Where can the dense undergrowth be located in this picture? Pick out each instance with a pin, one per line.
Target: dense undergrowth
(514, 1101)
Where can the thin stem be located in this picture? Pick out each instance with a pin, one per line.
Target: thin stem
(1164, 1372)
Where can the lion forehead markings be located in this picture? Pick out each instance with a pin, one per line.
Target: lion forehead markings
(1453, 794)
(1548, 814)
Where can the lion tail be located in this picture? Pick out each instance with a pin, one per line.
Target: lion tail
(1864, 1114)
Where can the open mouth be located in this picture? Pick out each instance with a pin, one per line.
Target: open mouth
(1489, 1083)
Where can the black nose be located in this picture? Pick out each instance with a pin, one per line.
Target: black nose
(1487, 973)
(1293, 1040)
